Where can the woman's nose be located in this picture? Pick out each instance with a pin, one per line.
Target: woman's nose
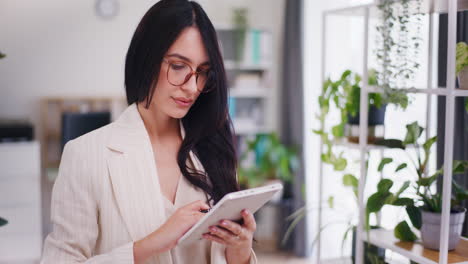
(191, 84)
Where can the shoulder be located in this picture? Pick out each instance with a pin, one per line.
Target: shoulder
(83, 160)
(95, 138)
(88, 149)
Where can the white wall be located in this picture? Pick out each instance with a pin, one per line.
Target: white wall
(61, 48)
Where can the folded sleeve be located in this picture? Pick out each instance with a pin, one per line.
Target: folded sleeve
(74, 215)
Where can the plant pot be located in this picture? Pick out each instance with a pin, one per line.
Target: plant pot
(368, 248)
(376, 116)
(463, 79)
(374, 133)
(430, 230)
(375, 121)
(286, 208)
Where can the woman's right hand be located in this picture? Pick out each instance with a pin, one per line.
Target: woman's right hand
(166, 236)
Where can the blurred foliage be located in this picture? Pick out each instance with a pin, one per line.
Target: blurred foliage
(273, 160)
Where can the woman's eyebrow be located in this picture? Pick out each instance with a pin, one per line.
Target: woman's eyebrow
(177, 55)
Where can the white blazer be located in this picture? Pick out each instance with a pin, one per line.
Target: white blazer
(107, 195)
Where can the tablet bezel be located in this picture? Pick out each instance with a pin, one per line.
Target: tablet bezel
(225, 201)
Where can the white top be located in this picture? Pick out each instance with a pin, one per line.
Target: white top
(192, 253)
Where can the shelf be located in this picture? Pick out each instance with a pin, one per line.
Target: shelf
(244, 128)
(248, 92)
(435, 91)
(352, 145)
(440, 6)
(232, 65)
(415, 251)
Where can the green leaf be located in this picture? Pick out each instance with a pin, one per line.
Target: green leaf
(403, 202)
(401, 166)
(3, 221)
(330, 201)
(345, 236)
(427, 181)
(459, 192)
(319, 132)
(428, 144)
(325, 157)
(384, 185)
(403, 187)
(413, 132)
(340, 164)
(384, 162)
(390, 143)
(338, 131)
(350, 180)
(404, 233)
(461, 56)
(459, 166)
(376, 202)
(345, 74)
(414, 214)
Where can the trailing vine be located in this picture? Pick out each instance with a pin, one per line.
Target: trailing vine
(398, 43)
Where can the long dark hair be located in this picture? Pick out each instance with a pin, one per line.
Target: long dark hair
(209, 128)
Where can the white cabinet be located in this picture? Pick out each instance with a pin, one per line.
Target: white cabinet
(20, 202)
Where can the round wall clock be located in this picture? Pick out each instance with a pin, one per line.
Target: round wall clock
(107, 8)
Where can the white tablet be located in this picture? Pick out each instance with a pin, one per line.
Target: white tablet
(230, 207)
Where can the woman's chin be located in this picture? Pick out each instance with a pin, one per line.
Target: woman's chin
(178, 114)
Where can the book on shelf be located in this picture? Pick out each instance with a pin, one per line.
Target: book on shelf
(248, 80)
(257, 48)
(256, 51)
(232, 107)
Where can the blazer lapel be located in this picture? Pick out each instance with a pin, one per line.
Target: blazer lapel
(134, 177)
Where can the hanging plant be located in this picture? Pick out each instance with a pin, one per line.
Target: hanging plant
(398, 43)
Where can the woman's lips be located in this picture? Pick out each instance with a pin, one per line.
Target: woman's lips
(182, 102)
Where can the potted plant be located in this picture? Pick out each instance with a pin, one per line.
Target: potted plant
(424, 208)
(373, 254)
(344, 94)
(462, 64)
(272, 161)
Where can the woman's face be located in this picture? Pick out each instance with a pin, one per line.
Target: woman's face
(170, 98)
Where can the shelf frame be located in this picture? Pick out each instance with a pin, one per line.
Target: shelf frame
(414, 250)
(450, 94)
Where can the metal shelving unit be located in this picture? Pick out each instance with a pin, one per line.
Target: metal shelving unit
(385, 238)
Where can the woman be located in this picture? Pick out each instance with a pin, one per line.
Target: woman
(128, 191)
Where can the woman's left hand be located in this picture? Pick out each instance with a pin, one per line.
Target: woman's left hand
(237, 238)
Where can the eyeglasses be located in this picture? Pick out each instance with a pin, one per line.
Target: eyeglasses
(179, 73)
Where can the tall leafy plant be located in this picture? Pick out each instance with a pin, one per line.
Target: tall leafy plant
(424, 198)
